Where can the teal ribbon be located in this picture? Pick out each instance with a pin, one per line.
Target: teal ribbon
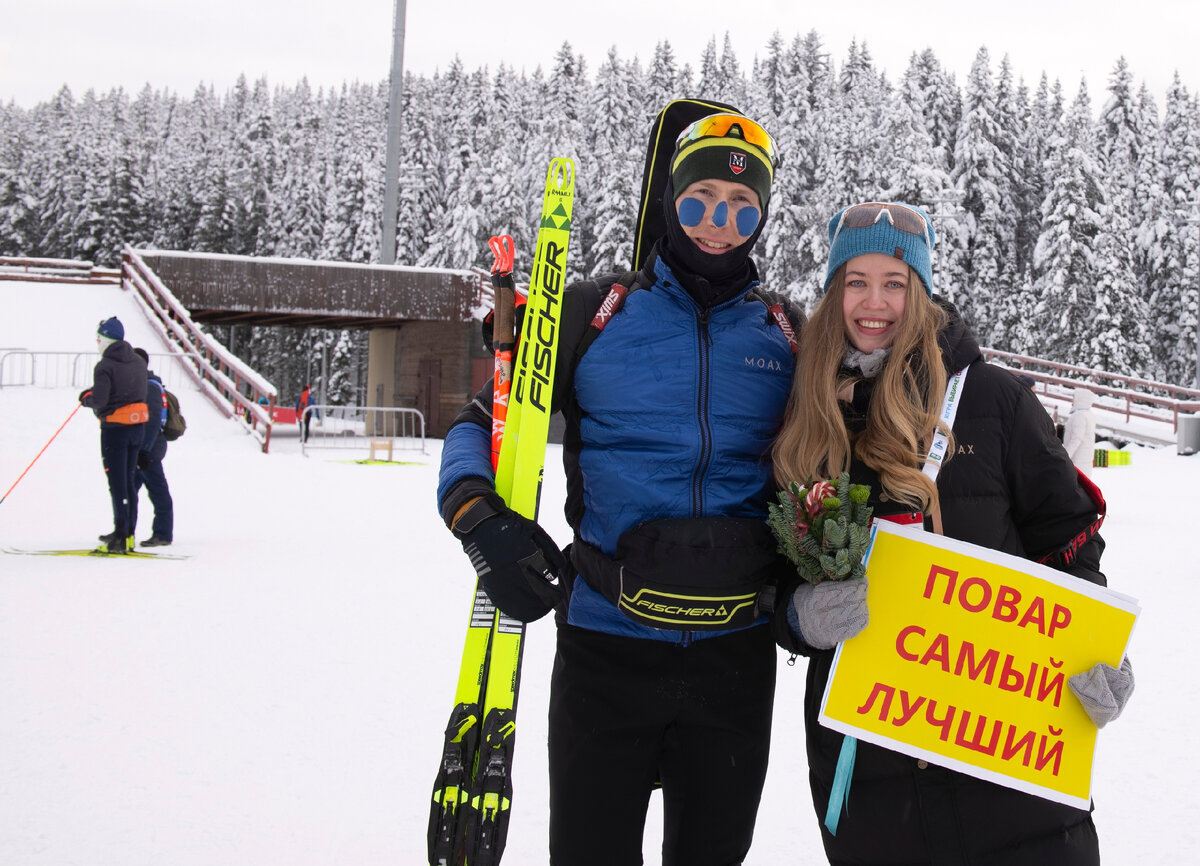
(839, 796)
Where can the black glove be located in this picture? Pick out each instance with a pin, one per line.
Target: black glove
(519, 565)
(143, 460)
(84, 394)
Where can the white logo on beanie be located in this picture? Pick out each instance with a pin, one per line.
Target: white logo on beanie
(737, 162)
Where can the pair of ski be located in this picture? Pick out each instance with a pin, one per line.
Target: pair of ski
(472, 795)
(92, 551)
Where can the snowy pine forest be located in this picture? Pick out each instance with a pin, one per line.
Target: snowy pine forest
(1067, 221)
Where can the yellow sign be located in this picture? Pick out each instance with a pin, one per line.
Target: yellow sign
(966, 659)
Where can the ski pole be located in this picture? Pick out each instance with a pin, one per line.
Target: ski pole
(39, 454)
(503, 336)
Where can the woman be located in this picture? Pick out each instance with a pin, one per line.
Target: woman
(875, 360)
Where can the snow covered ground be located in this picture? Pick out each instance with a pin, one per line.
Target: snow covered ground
(279, 697)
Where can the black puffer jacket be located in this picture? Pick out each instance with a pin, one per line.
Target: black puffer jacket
(118, 379)
(1010, 486)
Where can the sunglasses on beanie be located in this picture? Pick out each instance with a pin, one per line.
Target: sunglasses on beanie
(720, 125)
(861, 216)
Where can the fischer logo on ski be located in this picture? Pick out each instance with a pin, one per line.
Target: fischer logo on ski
(537, 355)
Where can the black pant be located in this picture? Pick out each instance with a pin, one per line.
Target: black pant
(119, 450)
(625, 712)
(155, 481)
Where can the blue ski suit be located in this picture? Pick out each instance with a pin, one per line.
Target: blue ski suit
(670, 414)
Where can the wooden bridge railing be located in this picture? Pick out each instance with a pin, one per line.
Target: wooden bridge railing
(1127, 396)
(56, 271)
(230, 384)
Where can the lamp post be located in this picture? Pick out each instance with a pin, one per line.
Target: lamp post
(1195, 221)
(387, 249)
(952, 197)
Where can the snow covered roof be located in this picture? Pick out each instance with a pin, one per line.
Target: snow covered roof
(226, 289)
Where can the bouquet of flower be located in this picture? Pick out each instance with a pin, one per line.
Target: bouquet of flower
(824, 528)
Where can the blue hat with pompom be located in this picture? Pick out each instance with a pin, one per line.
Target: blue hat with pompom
(112, 328)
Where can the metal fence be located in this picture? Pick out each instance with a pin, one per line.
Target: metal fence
(369, 429)
(24, 368)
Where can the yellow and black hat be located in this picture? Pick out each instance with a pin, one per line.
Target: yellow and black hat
(728, 147)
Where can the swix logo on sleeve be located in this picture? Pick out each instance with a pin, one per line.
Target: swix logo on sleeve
(785, 325)
(612, 302)
(737, 162)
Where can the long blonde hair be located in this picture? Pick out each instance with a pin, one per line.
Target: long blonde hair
(905, 404)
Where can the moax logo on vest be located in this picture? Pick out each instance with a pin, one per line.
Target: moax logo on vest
(764, 364)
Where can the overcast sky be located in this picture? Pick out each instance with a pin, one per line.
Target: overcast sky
(176, 45)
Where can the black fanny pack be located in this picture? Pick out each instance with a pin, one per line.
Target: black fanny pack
(687, 573)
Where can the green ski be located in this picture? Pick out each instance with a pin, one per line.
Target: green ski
(472, 795)
(91, 551)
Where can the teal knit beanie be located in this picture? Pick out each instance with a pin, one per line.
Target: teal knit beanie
(881, 236)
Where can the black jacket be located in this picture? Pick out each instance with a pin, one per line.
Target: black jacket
(1010, 486)
(118, 379)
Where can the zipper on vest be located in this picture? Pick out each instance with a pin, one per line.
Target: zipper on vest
(702, 411)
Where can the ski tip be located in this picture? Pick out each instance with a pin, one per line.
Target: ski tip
(561, 175)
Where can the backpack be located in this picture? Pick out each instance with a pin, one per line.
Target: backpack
(175, 424)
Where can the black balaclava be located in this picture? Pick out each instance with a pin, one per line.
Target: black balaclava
(709, 279)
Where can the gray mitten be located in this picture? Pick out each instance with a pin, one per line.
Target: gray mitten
(826, 613)
(1103, 690)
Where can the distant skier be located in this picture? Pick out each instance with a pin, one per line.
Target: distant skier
(303, 417)
(118, 397)
(150, 464)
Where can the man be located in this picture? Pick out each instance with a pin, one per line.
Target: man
(118, 397)
(302, 416)
(670, 415)
(149, 463)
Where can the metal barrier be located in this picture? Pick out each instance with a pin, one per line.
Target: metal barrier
(24, 368)
(362, 428)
